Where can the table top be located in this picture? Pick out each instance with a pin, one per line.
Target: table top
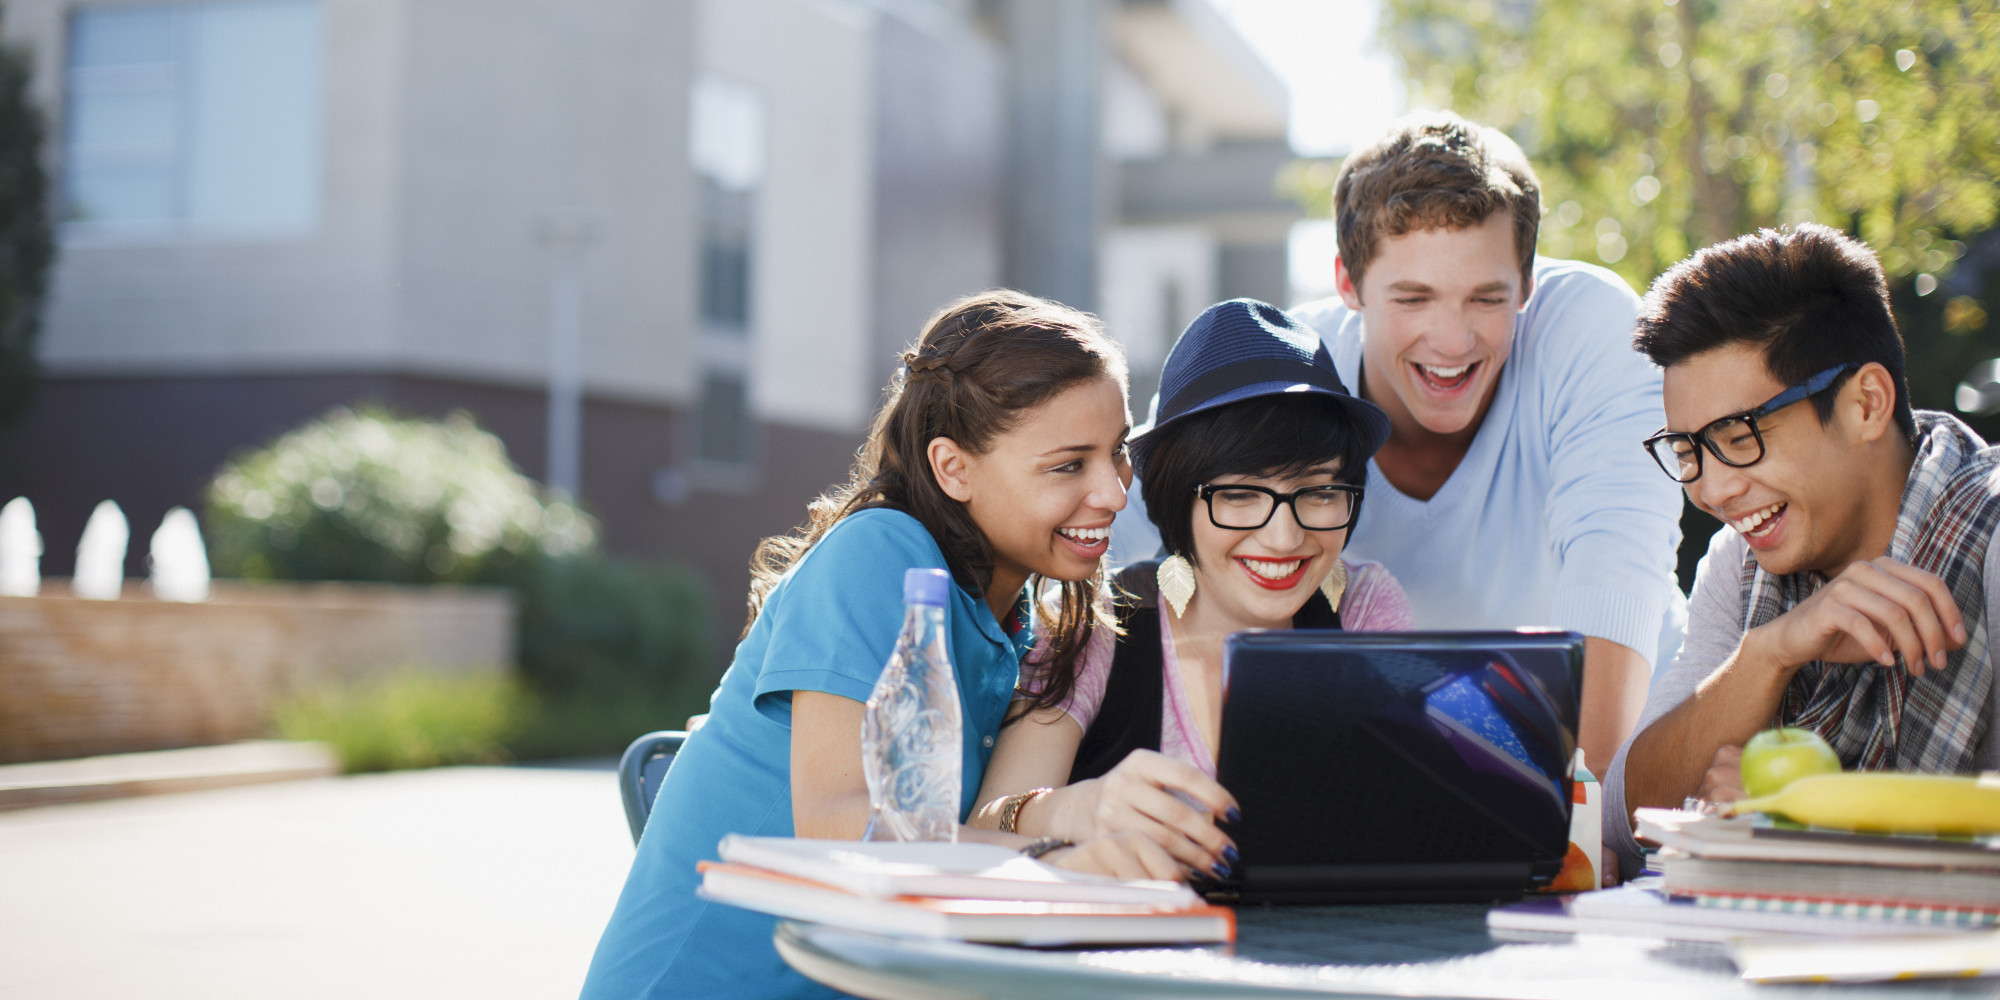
(1400, 950)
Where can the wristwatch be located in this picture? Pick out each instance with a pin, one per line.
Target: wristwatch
(1010, 810)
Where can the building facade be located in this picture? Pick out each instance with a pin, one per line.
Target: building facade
(717, 222)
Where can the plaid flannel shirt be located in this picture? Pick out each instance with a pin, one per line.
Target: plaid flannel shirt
(1882, 718)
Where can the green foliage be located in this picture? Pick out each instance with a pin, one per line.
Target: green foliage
(608, 649)
(598, 724)
(1660, 126)
(593, 623)
(368, 496)
(613, 649)
(409, 719)
(27, 246)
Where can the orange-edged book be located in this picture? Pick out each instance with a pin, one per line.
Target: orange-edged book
(993, 921)
(958, 870)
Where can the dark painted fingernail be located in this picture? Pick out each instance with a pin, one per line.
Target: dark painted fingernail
(1221, 870)
(1229, 854)
(1234, 815)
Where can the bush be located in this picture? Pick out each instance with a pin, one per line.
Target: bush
(368, 496)
(612, 650)
(593, 624)
(597, 724)
(408, 719)
(608, 649)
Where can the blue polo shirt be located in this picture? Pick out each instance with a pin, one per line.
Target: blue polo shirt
(829, 626)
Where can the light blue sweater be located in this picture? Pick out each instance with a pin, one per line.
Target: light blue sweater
(1555, 516)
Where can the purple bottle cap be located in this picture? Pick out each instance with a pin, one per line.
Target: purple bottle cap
(926, 586)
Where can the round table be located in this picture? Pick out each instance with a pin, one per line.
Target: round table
(1399, 950)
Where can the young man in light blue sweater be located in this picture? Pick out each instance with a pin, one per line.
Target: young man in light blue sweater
(1510, 492)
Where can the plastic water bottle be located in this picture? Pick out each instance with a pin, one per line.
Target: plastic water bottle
(911, 747)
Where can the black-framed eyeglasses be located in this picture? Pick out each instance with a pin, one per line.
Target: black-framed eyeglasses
(1243, 507)
(1734, 440)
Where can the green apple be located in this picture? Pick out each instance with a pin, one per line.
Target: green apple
(1775, 758)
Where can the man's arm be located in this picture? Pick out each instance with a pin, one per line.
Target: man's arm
(1611, 515)
(1714, 627)
(1873, 611)
(1614, 693)
(1669, 757)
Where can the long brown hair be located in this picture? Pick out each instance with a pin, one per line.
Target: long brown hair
(978, 364)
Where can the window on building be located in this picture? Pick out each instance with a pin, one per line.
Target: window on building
(725, 259)
(197, 117)
(724, 421)
(728, 146)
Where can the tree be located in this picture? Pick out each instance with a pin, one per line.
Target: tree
(26, 245)
(1661, 126)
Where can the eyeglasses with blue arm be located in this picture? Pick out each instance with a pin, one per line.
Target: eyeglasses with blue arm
(1734, 440)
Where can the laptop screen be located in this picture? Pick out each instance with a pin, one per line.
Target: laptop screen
(1426, 761)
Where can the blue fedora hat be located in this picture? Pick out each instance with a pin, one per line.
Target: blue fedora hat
(1242, 349)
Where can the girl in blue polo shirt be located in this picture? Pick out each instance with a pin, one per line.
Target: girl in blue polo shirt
(999, 456)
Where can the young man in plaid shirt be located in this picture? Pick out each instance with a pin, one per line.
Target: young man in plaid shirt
(1851, 590)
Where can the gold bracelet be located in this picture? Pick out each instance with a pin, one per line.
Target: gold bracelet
(1010, 808)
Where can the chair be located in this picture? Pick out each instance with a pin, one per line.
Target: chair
(640, 772)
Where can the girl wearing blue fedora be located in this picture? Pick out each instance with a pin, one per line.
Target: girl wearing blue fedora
(1252, 471)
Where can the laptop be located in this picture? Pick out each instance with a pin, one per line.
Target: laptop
(1398, 766)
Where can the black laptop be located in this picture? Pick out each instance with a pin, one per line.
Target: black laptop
(1398, 766)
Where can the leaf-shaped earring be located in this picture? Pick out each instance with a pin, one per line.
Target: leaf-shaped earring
(1176, 578)
(1336, 584)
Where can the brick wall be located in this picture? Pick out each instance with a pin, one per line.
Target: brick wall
(79, 678)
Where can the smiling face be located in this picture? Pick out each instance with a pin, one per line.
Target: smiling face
(1044, 492)
(1799, 507)
(1438, 308)
(1261, 578)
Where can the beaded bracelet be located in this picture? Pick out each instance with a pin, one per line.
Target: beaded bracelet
(1037, 848)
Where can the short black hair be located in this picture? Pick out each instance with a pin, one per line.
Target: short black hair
(1277, 435)
(1809, 297)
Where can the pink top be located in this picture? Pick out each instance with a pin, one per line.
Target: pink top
(1373, 602)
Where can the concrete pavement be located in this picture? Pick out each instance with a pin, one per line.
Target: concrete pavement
(487, 883)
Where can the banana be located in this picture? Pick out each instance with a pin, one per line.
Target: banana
(1886, 802)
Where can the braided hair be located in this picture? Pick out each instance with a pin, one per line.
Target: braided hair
(978, 365)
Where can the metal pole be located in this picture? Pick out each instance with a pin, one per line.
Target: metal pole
(1056, 183)
(567, 240)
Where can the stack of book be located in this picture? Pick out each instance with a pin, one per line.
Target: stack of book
(1750, 864)
(1721, 879)
(963, 891)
